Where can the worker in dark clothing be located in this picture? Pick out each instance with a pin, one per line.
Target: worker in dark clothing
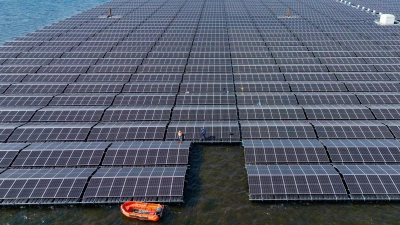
(203, 134)
(180, 135)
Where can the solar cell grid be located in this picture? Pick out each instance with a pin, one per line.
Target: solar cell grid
(147, 153)
(284, 151)
(265, 98)
(205, 99)
(69, 114)
(371, 181)
(294, 182)
(146, 87)
(338, 112)
(137, 182)
(379, 98)
(8, 151)
(43, 183)
(25, 88)
(351, 130)
(143, 77)
(137, 113)
(128, 131)
(262, 86)
(373, 87)
(309, 77)
(92, 87)
(363, 151)
(361, 76)
(204, 113)
(316, 86)
(17, 114)
(326, 98)
(59, 78)
(276, 129)
(243, 77)
(51, 132)
(61, 154)
(273, 112)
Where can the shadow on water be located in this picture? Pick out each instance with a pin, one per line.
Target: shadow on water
(216, 192)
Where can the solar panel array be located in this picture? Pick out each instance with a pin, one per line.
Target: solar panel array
(112, 92)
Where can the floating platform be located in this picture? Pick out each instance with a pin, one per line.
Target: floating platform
(90, 106)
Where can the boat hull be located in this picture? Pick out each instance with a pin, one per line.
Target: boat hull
(142, 210)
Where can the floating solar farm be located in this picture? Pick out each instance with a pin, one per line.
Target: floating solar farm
(90, 106)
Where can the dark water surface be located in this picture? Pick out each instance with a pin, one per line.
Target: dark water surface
(215, 193)
(19, 17)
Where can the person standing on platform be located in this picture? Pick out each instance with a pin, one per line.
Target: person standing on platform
(180, 135)
(203, 134)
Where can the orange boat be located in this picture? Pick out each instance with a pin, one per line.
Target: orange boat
(142, 210)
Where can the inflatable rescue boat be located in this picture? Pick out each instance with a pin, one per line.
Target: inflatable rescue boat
(142, 210)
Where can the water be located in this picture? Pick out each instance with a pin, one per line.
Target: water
(216, 193)
(19, 17)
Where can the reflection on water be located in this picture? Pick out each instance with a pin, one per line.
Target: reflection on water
(215, 193)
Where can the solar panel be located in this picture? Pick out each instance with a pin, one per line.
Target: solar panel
(372, 182)
(137, 113)
(62, 78)
(193, 87)
(351, 130)
(271, 112)
(8, 151)
(128, 131)
(51, 132)
(284, 151)
(294, 182)
(24, 100)
(36, 88)
(17, 114)
(309, 77)
(206, 77)
(144, 99)
(363, 151)
(145, 87)
(326, 98)
(265, 98)
(276, 129)
(316, 86)
(162, 77)
(338, 112)
(249, 77)
(94, 88)
(379, 98)
(82, 100)
(262, 87)
(147, 153)
(69, 114)
(204, 113)
(58, 154)
(373, 87)
(385, 112)
(104, 78)
(361, 76)
(394, 127)
(63, 183)
(161, 184)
